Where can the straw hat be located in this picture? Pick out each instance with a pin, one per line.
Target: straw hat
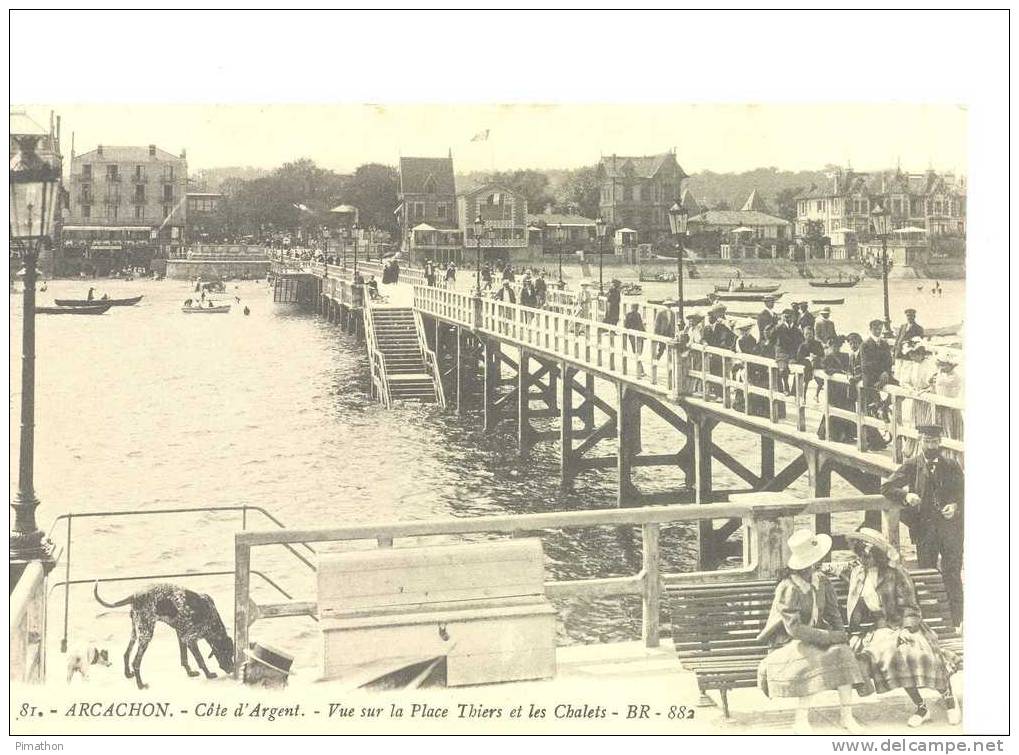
(807, 548)
(275, 659)
(946, 357)
(876, 539)
(824, 310)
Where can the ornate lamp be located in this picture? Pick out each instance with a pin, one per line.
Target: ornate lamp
(880, 224)
(677, 223)
(479, 231)
(601, 228)
(34, 183)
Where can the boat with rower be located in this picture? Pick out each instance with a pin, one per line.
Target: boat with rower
(749, 288)
(96, 308)
(744, 296)
(128, 302)
(213, 310)
(839, 300)
(837, 283)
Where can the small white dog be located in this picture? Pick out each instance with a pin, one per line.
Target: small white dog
(81, 660)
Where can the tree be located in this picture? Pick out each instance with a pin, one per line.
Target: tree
(785, 202)
(374, 190)
(580, 192)
(533, 184)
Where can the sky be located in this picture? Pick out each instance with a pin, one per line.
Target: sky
(715, 137)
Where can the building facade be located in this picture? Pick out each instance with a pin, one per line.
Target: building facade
(932, 201)
(128, 192)
(204, 219)
(637, 192)
(427, 209)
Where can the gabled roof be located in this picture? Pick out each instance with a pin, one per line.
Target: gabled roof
(477, 188)
(437, 172)
(737, 218)
(22, 124)
(690, 203)
(754, 202)
(128, 155)
(646, 166)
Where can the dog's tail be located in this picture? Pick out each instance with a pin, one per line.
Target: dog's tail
(118, 604)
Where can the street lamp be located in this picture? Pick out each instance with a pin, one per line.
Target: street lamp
(479, 230)
(600, 228)
(355, 229)
(33, 196)
(560, 237)
(880, 222)
(677, 222)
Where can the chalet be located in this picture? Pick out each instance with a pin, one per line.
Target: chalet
(637, 192)
(504, 213)
(427, 209)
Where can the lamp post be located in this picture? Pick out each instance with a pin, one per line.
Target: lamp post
(560, 237)
(677, 222)
(479, 230)
(33, 193)
(600, 228)
(355, 229)
(880, 221)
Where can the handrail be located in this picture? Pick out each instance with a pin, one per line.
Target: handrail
(765, 525)
(27, 657)
(431, 360)
(243, 509)
(377, 360)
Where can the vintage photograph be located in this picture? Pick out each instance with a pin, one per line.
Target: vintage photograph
(506, 417)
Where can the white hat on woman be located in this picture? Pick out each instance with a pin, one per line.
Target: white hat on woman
(807, 548)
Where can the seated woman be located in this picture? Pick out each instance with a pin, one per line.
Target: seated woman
(893, 645)
(808, 652)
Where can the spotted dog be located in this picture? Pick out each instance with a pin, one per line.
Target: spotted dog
(192, 615)
(82, 659)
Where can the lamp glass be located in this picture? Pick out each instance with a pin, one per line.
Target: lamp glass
(33, 192)
(600, 226)
(879, 221)
(677, 218)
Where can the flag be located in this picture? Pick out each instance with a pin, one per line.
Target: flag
(481, 136)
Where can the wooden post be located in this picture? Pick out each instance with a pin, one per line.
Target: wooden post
(769, 544)
(820, 483)
(767, 458)
(702, 445)
(242, 586)
(567, 468)
(628, 437)
(588, 413)
(652, 594)
(491, 379)
(523, 403)
(459, 369)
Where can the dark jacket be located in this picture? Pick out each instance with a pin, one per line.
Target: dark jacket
(895, 592)
(807, 318)
(875, 358)
(937, 485)
(907, 331)
(506, 294)
(612, 300)
(787, 341)
(719, 335)
(824, 330)
(664, 324)
(764, 319)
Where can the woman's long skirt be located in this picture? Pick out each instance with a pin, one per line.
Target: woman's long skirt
(898, 658)
(799, 669)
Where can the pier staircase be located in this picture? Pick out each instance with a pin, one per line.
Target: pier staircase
(399, 368)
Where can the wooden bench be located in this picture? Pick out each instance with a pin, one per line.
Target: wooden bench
(715, 627)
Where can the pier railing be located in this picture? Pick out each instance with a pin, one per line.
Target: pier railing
(28, 626)
(765, 526)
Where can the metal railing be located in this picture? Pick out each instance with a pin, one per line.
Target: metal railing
(69, 518)
(765, 526)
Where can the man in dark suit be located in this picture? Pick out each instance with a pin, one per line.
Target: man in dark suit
(932, 486)
(824, 328)
(787, 343)
(876, 358)
(908, 330)
(767, 317)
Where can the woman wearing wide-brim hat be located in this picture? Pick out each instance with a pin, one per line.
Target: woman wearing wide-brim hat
(809, 651)
(894, 646)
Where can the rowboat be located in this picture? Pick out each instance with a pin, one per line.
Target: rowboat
(129, 302)
(743, 296)
(220, 310)
(93, 309)
(847, 283)
(700, 302)
(749, 288)
(828, 301)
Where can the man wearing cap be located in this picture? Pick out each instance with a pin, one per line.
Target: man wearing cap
(876, 358)
(788, 339)
(767, 317)
(805, 318)
(266, 666)
(665, 325)
(907, 331)
(612, 303)
(824, 328)
(932, 487)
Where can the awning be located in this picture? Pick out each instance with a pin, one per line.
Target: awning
(910, 229)
(344, 208)
(626, 230)
(742, 229)
(423, 227)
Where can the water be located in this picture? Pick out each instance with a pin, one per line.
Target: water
(146, 407)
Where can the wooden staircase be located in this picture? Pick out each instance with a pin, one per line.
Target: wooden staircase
(395, 337)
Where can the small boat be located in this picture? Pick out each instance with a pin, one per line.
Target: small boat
(828, 301)
(945, 330)
(828, 283)
(743, 296)
(93, 309)
(129, 302)
(749, 288)
(220, 310)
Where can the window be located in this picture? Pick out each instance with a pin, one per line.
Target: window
(86, 194)
(166, 211)
(819, 206)
(168, 173)
(167, 192)
(86, 211)
(937, 206)
(440, 210)
(139, 173)
(139, 194)
(111, 173)
(139, 213)
(417, 210)
(86, 172)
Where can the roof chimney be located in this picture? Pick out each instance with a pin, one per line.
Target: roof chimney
(99, 150)
(152, 150)
(183, 154)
